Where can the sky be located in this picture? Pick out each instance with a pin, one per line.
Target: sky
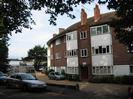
(20, 43)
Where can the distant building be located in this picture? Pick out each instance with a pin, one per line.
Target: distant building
(21, 66)
(89, 48)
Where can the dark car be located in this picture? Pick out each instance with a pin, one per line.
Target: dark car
(3, 78)
(25, 81)
(56, 76)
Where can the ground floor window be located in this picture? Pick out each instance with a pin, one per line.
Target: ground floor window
(131, 69)
(102, 70)
(72, 70)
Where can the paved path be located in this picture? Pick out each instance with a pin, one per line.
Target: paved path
(94, 90)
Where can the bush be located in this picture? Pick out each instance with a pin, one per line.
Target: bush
(48, 71)
(113, 79)
(102, 79)
(72, 77)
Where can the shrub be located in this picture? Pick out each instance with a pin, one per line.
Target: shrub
(72, 77)
(113, 79)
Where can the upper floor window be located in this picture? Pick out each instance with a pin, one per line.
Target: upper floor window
(58, 41)
(71, 36)
(101, 49)
(84, 52)
(57, 56)
(130, 48)
(97, 30)
(71, 53)
(131, 69)
(51, 45)
(83, 34)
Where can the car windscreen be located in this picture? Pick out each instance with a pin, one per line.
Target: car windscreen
(27, 77)
(57, 73)
(1, 74)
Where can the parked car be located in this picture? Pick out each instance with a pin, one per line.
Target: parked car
(3, 78)
(56, 76)
(25, 81)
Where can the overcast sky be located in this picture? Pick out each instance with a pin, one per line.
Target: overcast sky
(20, 43)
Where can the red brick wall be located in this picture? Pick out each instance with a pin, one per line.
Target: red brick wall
(82, 44)
(120, 55)
(61, 48)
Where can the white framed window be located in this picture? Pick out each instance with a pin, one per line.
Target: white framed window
(102, 70)
(51, 45)
(57, 56)
(84, 52)
(97, 30)
(71, 36)
(131, 69)
(71, 53)
(83, 34)
(103, 49)
(58, 41)
(131, 49)
(51, 57)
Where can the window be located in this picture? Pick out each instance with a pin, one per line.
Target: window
(102, 70)
(97, 30)
(51, 45)
(58, 41)
(131, 69)
(83, 34)
(72, 70)
(101, 49)
(105, 29)
(51, 57)
(57, 55)
(130, 48)
(71, 36)
(93, 31)
(72, 53)
(84, 52)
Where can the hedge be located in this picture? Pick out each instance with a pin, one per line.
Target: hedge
(113, 79)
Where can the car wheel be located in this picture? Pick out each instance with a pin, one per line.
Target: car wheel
(25, 88)
(8, 85)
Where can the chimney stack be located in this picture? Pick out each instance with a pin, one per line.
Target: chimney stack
(83, 17)
(54, 34)
(61, 30)
(96, 13)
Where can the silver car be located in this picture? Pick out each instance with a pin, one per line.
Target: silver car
(56, 76)
(25, 81)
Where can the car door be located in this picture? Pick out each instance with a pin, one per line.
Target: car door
(18, 81)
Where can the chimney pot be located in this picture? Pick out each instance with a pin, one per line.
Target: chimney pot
(54, 34)
(83, 17)
(61, 30)
(97, 15)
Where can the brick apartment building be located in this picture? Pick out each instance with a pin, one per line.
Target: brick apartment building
(89, 48)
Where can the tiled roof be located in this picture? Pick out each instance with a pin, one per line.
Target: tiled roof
(105, 18)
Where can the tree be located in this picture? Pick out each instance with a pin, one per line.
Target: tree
(3, 49)
(124, 24)
(39, 55)
(16, 14)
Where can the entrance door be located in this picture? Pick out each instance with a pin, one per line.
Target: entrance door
(84, 73)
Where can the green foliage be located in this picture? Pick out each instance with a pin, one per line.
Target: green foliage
(39, 55)
(3, 49)
(127, 79)
(124, 24)
(72, 77)
(17, 13)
